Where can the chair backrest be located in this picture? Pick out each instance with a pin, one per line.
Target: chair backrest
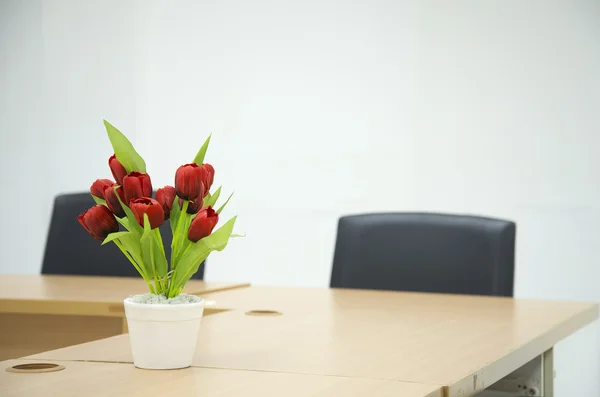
(71, 250)
(425, 252)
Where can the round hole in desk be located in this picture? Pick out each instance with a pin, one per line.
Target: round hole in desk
(35, 368)
(263, 313)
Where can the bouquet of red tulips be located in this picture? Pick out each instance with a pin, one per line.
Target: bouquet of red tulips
(127, 201)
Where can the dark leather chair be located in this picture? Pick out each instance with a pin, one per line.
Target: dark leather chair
(71, 250)
(425, 252)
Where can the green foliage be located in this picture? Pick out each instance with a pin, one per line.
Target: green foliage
(199, 159)
(175, 212)
(196, 253)
(124, 151)
(99, 200)
(212, 200)
(224, 204)
(143, 246)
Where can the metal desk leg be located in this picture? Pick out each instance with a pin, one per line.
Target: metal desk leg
(534, 379)
(548, 373)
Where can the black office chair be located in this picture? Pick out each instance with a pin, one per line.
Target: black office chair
(425, 252)
(71, 250)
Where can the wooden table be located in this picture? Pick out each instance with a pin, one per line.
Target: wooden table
(109, 379)
(463, 343)
(40, 313)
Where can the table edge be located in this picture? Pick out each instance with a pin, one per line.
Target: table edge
(496, 370)
(109, 308)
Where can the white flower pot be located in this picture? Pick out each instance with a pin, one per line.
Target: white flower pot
(163, 336)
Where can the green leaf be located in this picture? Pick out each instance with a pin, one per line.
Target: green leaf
(159, 254)
(175, 212)
(224, 204)
(146, 246)
(124, 150)
(178, 233)
(202, 152)
(124, 222)
(113, 236)
(196, 253)
(147, 227)
(213, 198)
(183, 236)
(147, 249)
(153, 255)
(135, 264)
(129, 243)
(99, 200)
(132, 223)
(158, 239)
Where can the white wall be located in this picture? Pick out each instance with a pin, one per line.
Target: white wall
(318, 109)
(64, 65)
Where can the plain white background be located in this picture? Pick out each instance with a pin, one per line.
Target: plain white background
(318, 109)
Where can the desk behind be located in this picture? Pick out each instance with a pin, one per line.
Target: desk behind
(46, 312)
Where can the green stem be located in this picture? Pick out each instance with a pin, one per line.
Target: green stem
(134, 263)
(178, 233)
(170, 290)
(154, 269)
(185, 242)
(184, 223)
(158, 238)
(177, 237)
(170, 269)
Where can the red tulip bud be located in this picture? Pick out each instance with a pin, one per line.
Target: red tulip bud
(189, 182)
(117, 169)
(136, 185)
(97, 188)
(99, 222)
(145, 205)
(113, 201)
(165, 196)
(193, 206)
(208, 176)
(203, 224)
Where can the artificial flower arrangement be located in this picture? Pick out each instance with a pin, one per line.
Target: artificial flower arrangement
(188, 207)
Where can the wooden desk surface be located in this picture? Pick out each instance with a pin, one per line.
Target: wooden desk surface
(463, 342)
(109, 379)
(81, 295)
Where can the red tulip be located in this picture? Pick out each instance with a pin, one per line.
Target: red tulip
(117, 169)
(208, 176)
(203, 224)
(165, 196)
(113, 201)
(193, 206)
(97, 188)
(145, 205)
(99, 222)
(137, 185)
(189, 180)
